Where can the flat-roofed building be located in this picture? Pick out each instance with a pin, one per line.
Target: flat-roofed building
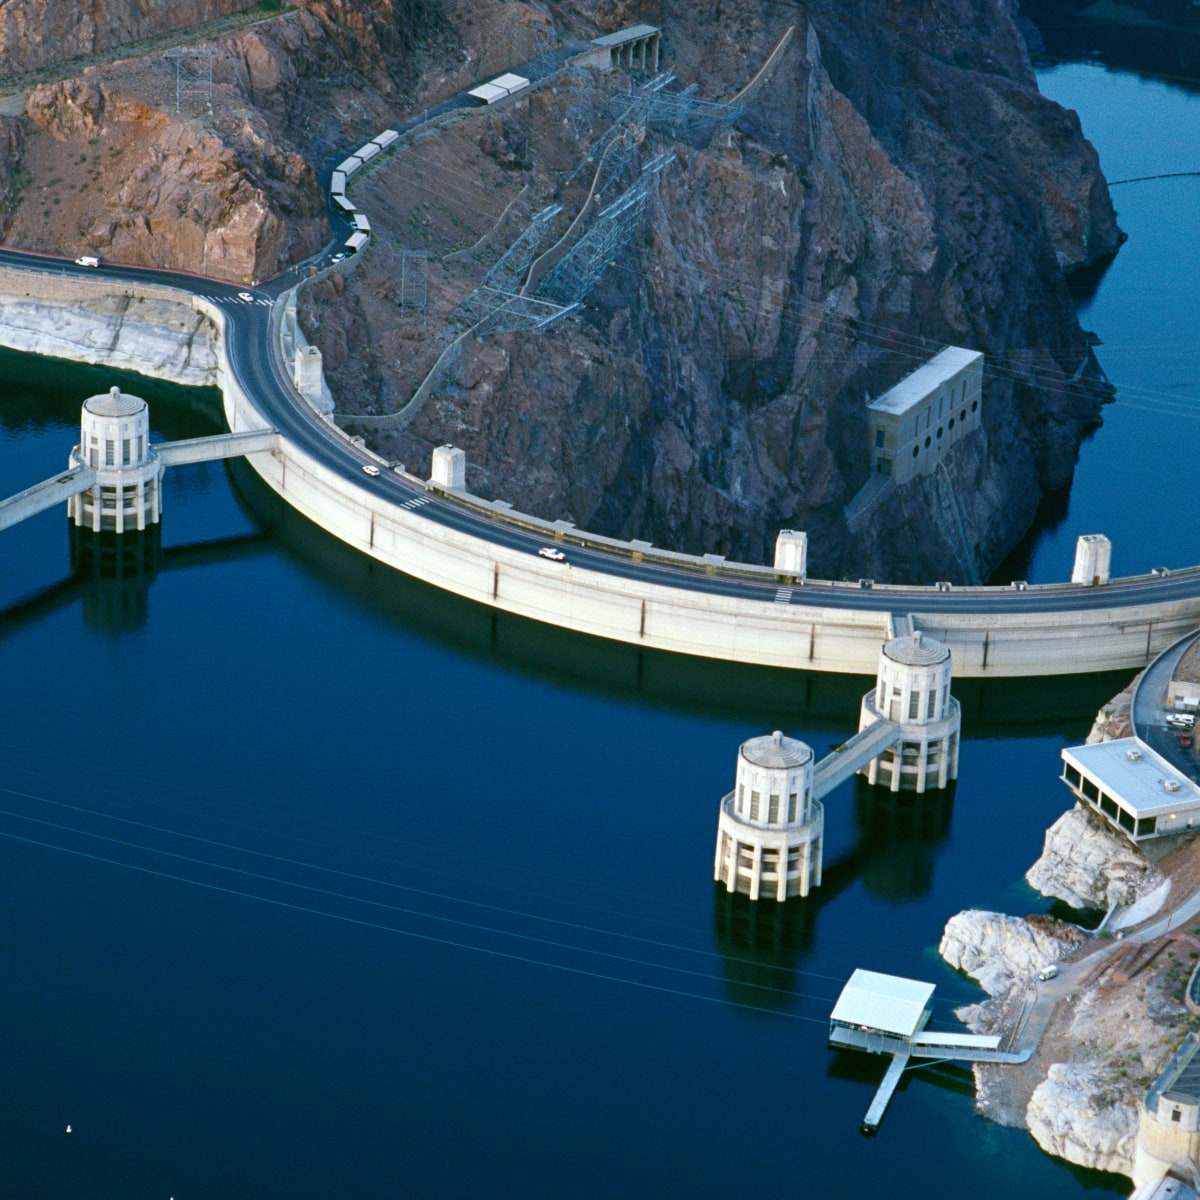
(879, 1012)
(1132, 787)
(636, 47)
(913, 425)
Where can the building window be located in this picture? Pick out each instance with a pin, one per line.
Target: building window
(125, 451)
(1126, 820)
(793, 807)
(916, 451)
(933, 699)
(109, 450)
(974, 405)
(878, 437)
(773, 810)
(1145, 826)
(1071, 775)
(914, 705)
(1108, 806)
(755, 804)
(1176, 1115)
(1089, 789)
(141, 447)
(885, 466)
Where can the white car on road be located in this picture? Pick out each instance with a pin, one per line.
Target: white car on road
(552, 554)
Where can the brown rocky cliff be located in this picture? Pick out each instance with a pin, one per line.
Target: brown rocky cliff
(898, 186)
(103, 164)
(40, 33)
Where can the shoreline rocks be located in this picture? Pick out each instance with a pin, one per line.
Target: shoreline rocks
(1086, 865)
(999, 952)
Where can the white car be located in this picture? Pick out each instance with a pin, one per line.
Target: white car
(87, 260)
(552, 554)
(247, 296)
(372, 470)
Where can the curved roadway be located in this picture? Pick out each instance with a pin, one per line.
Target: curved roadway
(254, 357)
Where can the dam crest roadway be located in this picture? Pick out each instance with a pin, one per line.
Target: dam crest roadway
(632, 592)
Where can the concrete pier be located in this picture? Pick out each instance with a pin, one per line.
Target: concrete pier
(885, 1091)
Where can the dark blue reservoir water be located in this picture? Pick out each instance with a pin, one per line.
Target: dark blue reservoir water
(318, 883)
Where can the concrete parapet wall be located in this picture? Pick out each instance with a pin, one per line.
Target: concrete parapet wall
(809, 636)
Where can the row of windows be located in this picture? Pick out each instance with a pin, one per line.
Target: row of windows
(772, 856)
(110, 451)
(914, 703)
(1110, 807)
(773, 805)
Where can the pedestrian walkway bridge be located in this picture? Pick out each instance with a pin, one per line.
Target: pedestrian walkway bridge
(852, 755)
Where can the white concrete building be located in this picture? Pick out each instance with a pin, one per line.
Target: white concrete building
(881, 1013)
(1169, 1120)
(913, 425)
(791, 553)
(912, 690)
(114, 439)
(449, 468)
(1132, 787)
(770, 831)
(1093, 559)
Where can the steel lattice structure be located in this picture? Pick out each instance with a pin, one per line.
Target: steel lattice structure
(508, 272)
(578, 271)
(194, 83)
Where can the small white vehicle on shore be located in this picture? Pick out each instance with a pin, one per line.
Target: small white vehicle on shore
(372, 470)
(87, 260)
(1178, 720)
(1049, 971)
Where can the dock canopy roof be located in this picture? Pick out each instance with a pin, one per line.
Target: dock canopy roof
(884, 1002)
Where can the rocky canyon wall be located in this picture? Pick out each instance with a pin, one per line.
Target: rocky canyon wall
(896, 186)
(899, 185)
(41, 33)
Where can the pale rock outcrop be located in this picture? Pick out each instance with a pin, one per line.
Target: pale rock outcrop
(1071, 1115)
(154, 337)
(1086, 864)
(999, 951)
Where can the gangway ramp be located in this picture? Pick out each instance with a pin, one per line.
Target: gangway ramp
(836, 768)
(44, 495)
(216, 446)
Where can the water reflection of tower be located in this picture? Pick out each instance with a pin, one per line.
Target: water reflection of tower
(762, 945)
(115, 573)
(898, 837)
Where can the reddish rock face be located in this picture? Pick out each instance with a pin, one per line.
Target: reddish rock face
(897, 185)
(38, 33)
